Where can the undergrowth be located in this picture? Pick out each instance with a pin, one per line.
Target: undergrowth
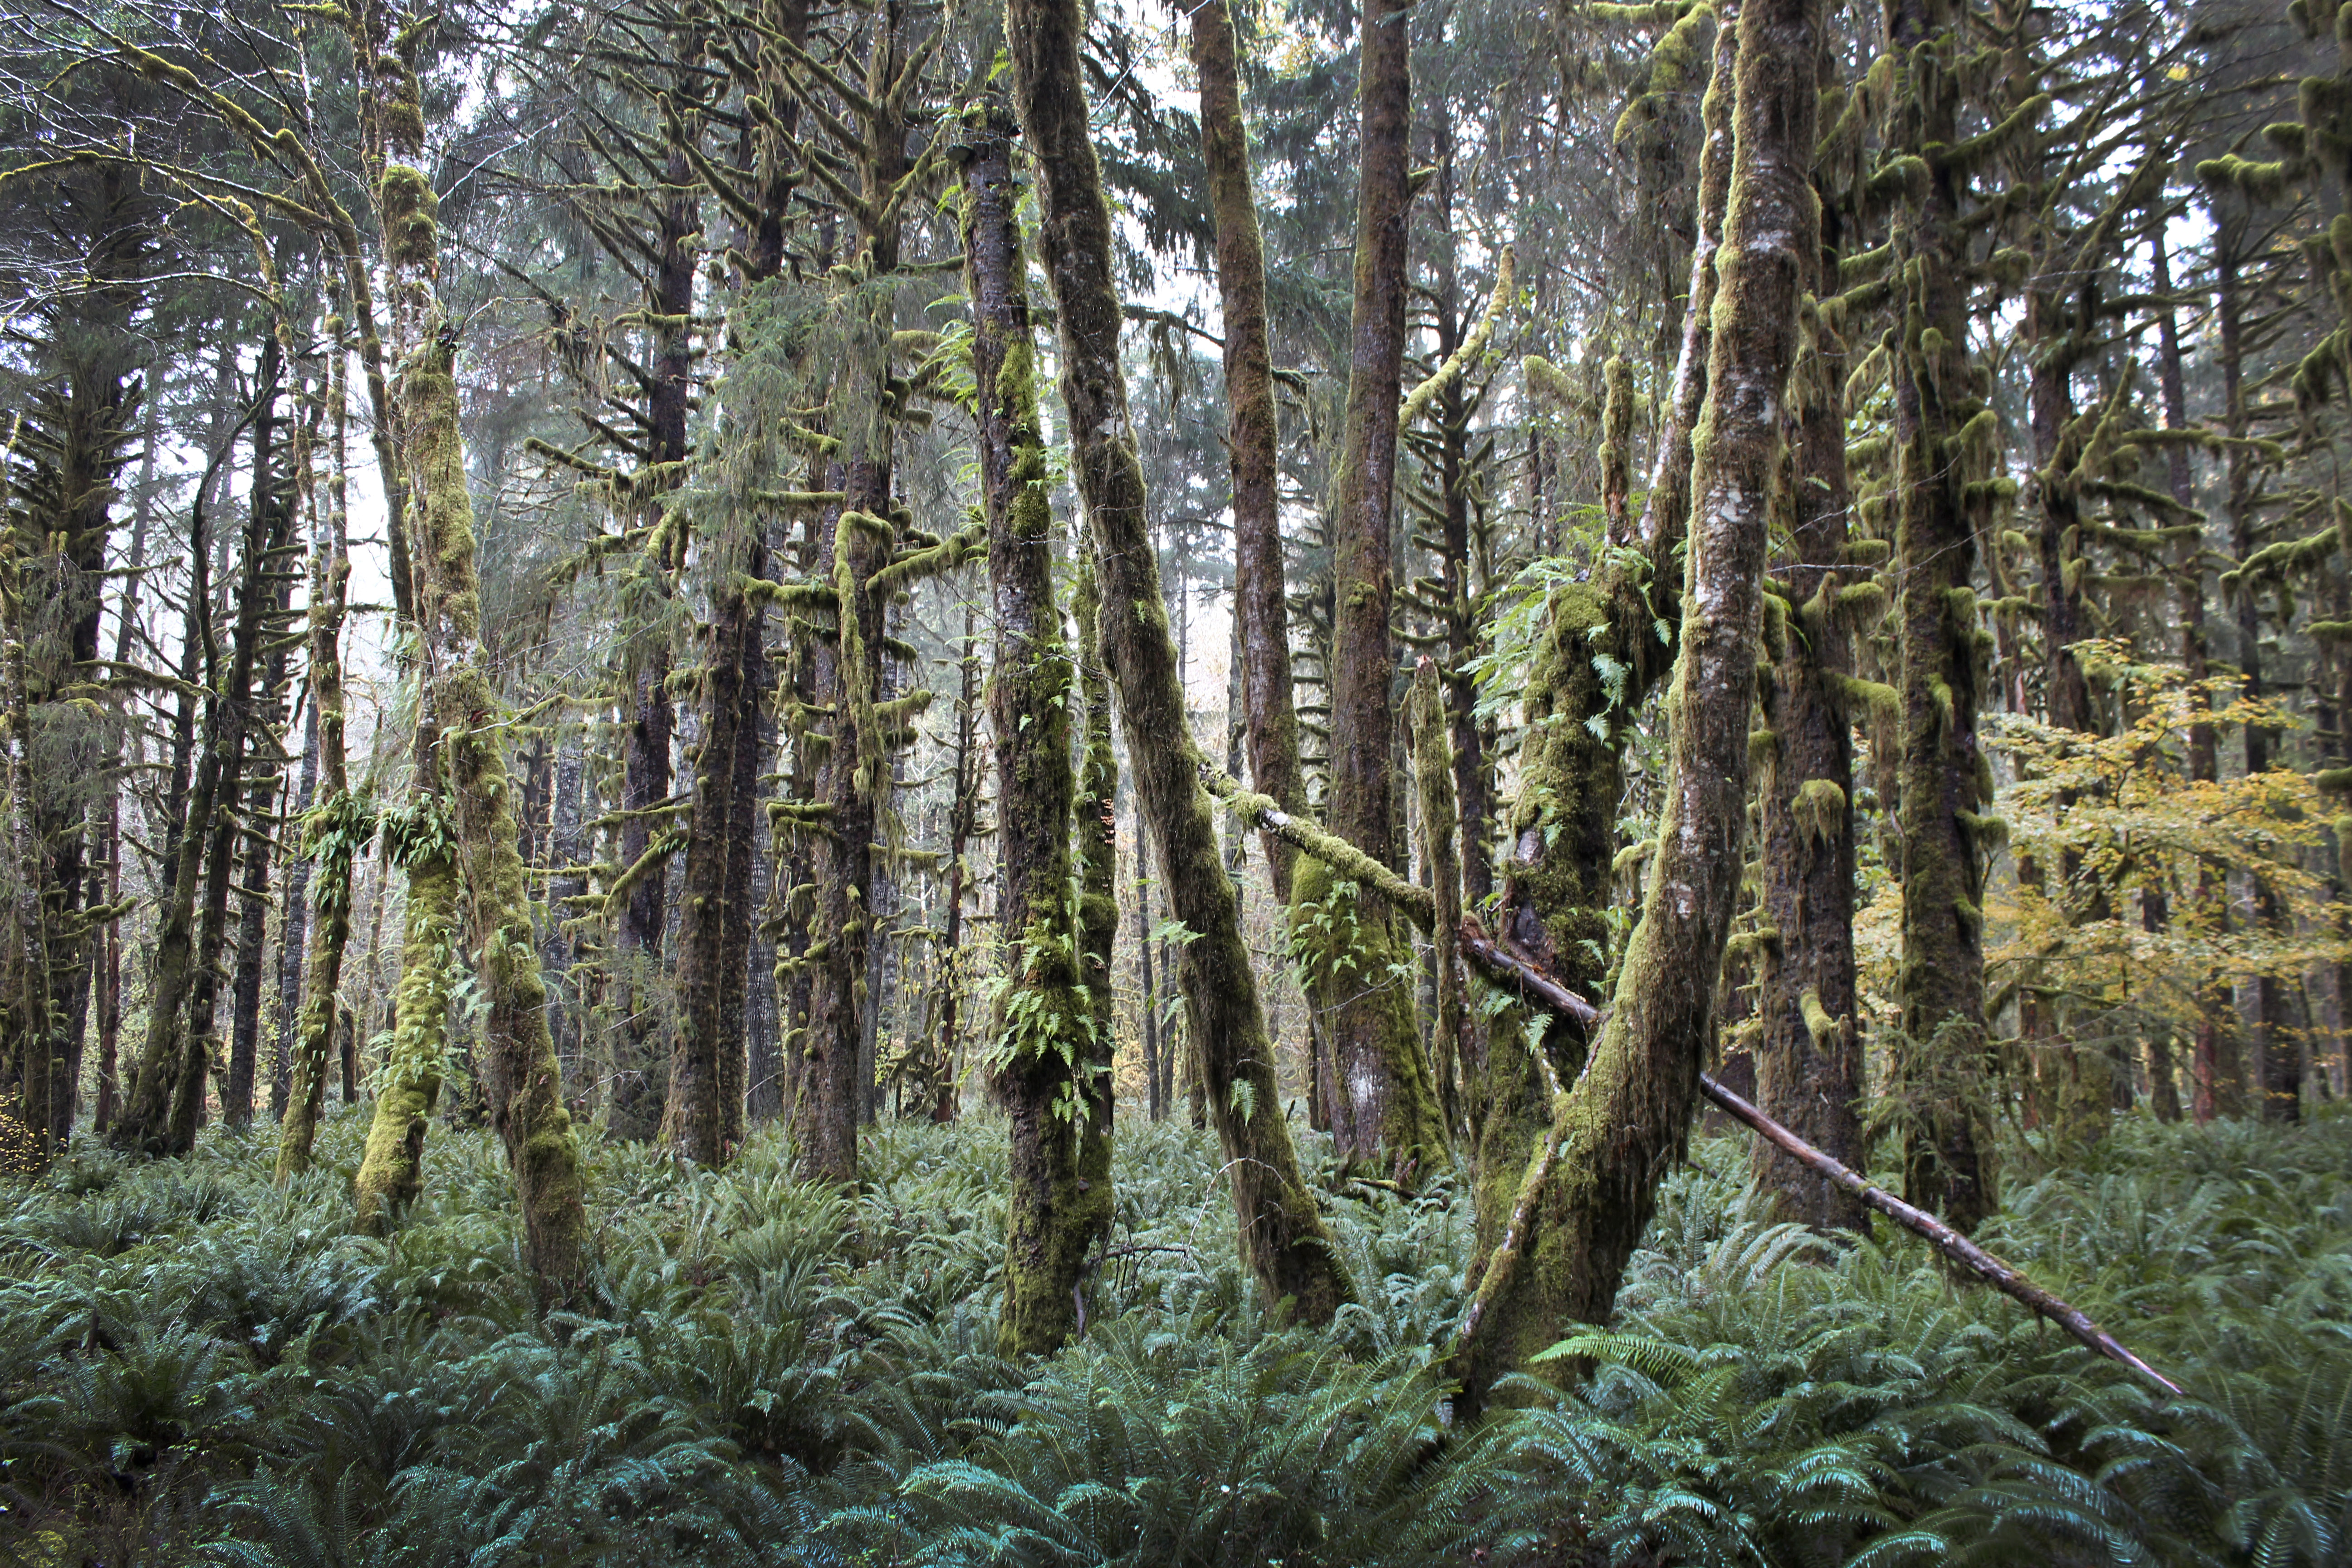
(197, 1368)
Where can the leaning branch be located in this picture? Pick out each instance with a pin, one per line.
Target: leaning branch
(1968, 1254)
(1344, 859)
(1532, 984)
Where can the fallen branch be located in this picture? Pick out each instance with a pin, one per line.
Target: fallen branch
(2000, 1275)
(1532, 984)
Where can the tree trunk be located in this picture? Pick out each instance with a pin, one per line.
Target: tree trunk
(342, 823)
(1281, 1235)
(264, 799)
(1591, 1184)
(1262, 617)
(1047, 1035)
(1948, 1158)
(109, 850)
(1809, 1054)
(522, 1078)
(1559, 875)
(1382, 1102)
(167, 1095)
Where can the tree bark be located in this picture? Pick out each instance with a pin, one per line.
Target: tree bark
(166, 1098)
(1259, 599)
(522, 1078)
(344, 823)
(1809, 1054)
(1558, 874)
(1281, 1235)
(1043, 1058)
(1948, 1160)
(1382, 1100)
(1591, 1184)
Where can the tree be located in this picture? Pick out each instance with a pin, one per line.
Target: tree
(1286, 1245)
(1628, 1113)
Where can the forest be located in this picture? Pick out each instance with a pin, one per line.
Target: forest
(1530, 782)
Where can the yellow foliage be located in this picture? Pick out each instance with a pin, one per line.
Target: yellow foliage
(2101, 818)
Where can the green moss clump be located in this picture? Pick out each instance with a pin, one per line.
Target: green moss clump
(411, 214)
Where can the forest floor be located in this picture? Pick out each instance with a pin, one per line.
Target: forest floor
(196, 1367)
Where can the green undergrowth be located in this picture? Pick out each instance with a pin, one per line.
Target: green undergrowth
(196, 1367)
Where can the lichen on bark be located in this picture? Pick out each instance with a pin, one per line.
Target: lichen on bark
(461, 721)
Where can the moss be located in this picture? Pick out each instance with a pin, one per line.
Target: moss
(1818, 809)
(1861, 603)
(1820, 1022)
(2260, 182)
(1883, 703)
(410, 211)
(391, 1173)
(1348, 956)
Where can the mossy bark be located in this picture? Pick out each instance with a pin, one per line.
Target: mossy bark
(650, 1017)
(1454, 1044)
(338, 829)
(25, 1148)
(1262, 613)
(1589, 1191)
(1558, 877)
(1045, 1056)
(1381, 1100)
(1282, 1236)
(702, 1111)
(695, 1116)
(1947, 1162)
(408, 1087)
(522, 1080)
(858, 542)
(1098, 847)
(1809, 1049)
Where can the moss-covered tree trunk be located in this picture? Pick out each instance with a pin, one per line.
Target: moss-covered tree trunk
(522, 1081)
(1282, 1236)
(1946, 1162)
(858, 540)
(639, 1092)
(25, 1145)
(1260, 603)
(1601, 655)
(2189, 607)
(337, 828)
(1591, 1184)
(694, 1121)
(751, 745)
(1044, 1054)
(1382, 1100)
(1452, 1046)
(1809, 1050)
(1096, 841)
(460, 831)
